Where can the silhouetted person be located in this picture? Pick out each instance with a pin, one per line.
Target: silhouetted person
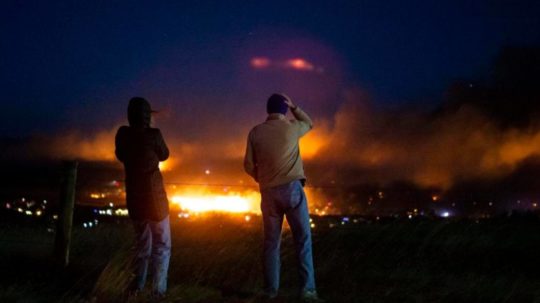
(140, 148)
(273, 160)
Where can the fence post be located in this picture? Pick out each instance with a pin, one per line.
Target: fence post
(65, 218)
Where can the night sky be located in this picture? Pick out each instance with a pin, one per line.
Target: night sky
(380, 79)
(74, 64)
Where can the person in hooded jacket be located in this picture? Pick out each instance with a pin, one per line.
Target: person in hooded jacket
(140, 148)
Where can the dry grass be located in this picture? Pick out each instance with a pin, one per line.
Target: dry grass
(218, 260)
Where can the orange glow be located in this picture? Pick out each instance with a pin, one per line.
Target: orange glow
(260, 62)
(299, 64)
(204, 200)
(167, 165)
(310, 145)
(315, 140)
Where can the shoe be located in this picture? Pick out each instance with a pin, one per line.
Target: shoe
(311, 297)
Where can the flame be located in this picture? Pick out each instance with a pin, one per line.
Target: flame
(201, 199)
(197, 201)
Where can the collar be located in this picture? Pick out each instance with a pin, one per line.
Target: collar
(275, 116)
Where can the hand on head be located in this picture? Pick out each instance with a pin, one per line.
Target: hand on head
(287, 100)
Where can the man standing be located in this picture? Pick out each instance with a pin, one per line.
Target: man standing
(273, 159)
(140, 148)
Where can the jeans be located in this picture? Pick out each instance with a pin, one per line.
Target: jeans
(152, 243)
(289, 200)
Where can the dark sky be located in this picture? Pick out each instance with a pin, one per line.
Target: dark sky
(75, 64)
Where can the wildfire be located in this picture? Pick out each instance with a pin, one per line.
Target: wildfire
(201, 199)
(195, 201)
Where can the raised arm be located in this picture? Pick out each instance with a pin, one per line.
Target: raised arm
(305, 122)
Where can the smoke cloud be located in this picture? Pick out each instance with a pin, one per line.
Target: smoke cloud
(427, 149)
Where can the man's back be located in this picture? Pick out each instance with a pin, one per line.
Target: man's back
(273, 151)
(140, 150)
(272, 154)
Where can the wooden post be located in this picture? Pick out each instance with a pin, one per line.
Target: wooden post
(65, 218)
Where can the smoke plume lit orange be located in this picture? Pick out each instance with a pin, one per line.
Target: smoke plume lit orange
(379, 145)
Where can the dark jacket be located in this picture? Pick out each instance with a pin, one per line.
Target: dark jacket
(141, 148)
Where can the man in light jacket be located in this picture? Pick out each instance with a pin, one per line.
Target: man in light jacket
(273, 159)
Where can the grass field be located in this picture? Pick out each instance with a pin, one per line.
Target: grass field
(217, 259)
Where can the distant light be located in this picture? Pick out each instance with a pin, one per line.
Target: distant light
(111, 204)
(8, 206)
(312, 225)
(183, 215)
(445, 214)
(247, 218)
(410, 216)
(435, 198)
(44, 201)
(260, 62)
(28, 213)
(121, 212)
(345, 219)
(85, 225)
(299, 64)
(38, 213)
(55, 217)
(20, 210)
(207, 172)
(90, 224)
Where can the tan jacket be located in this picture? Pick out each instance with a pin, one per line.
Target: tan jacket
(272, 154)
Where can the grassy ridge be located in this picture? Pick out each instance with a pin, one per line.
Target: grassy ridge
(218, 260)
